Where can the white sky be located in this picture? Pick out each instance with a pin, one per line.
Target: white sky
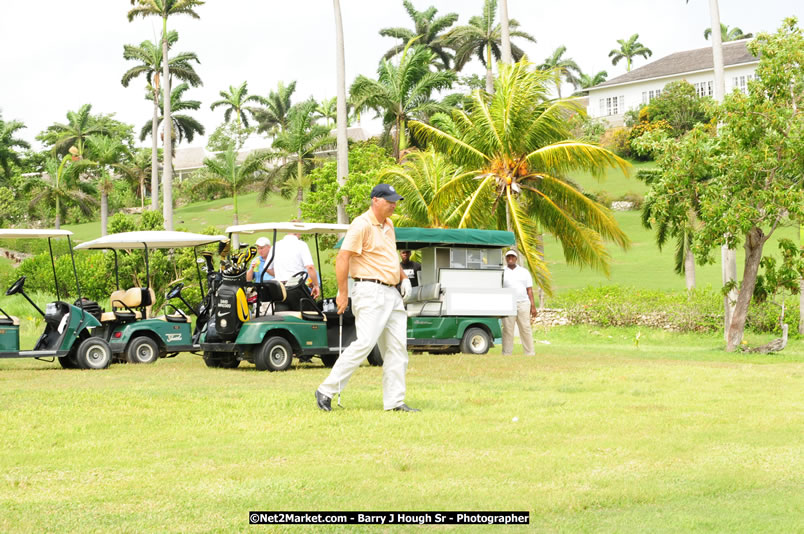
(59, 55)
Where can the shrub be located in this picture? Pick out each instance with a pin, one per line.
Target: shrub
(617, 140)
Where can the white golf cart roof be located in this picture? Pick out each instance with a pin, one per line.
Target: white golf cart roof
(15, 233)
(289, 227)
(151, 239)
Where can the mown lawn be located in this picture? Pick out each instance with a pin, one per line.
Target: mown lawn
(592, 434)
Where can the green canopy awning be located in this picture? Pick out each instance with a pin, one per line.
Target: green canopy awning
(415, 238)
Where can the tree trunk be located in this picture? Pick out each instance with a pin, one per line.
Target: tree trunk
(167, 174)
(58, 214)
(300, 192)
(341, 123)
(104, 208)
(540, 248)
(506, 33)
(728, 260)
(155, 156)
(754, 242)
(489, 74)
(689, 270)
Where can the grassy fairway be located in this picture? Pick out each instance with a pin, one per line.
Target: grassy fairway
(672, 435)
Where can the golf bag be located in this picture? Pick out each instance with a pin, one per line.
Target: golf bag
(231, 307)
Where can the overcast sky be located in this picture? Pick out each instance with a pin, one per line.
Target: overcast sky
(59, 55)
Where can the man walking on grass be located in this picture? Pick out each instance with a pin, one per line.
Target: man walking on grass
(519, 279)
(368, 255)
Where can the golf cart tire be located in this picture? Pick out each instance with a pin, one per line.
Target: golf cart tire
(94, 353)
(475, 341)
(69, 361)
(329, 359)
(375, 357)
(142, 349)
(220, 360)
(276, 354)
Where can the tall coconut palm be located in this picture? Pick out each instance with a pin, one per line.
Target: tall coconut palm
(273, 118)
(226, 174)
(74, 133)
(60, 187)
(505, 33)
(564, 68)
(296, 149)
(342, 170)
(482, 38)
(8, 144)
(728, 34)
(427, 30)
(184, 126)
(516, 153)
(629, 49)
(236, 101)
(402, 92)
(164, 9)
(327, 109)
(149, 56)
(420, 179)
(107, 153)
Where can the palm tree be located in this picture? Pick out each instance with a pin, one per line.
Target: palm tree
(327, 109)
(427, 30)
(516, 153)
(137, 170)
(483, 38)
(74, 133)
(107, 153)
(164, 9)
(420, 179)
(225, 173)
(8, 143)
(296, 149)
(629, 49)
(236, 101)
(273, 118)
(185, 126)
(505, 33)
(585, 81)
(727, 34)
(402, 92)
(342, 143)
(60, 186)
(565, 68)
(149, 56)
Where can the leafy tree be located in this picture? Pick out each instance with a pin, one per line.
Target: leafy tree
(273, 118)
(727, 34)
(149, 56)
(780, 277)
(428, 32)
(229, 134)
(61, 187)
(327, 110)
(236, 101)
(297, 147)
(60, 137)
(225, 173)
(680, 106)
(629, 49)
(184, 126)
(137, 170)
(165, 9)
(565, 68)
(8, 143)
(107, 153)
(402, 92)
(482, 38)
(420, 179)
(515, 151)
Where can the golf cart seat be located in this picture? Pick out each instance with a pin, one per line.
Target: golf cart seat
(424, 300)
(174, 318)
(271, 291)
(9, 321)
(126, 301)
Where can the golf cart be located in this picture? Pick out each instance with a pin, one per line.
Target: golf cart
(68, 327)
(132, 335)
(295, 325)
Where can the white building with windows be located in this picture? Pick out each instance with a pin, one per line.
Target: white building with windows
(611, 99)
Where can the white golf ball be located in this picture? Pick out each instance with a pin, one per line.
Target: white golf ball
(515, 419)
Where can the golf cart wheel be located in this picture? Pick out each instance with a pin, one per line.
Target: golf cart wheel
(142, 350)
(375, 357)
(94, 353)
(475, 341)
(69, 362)
(222, 360)
(329, 359)
(276, 354)
(229, 362)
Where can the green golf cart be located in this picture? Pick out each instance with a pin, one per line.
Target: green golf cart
(69, 328)
(132, 334)
(296, 325)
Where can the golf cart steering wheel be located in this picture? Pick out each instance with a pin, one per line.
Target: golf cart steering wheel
(174, 291)
(302, 276)
(16, 287)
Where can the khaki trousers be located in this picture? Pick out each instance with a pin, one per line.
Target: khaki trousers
(522, 320)
(380, 319)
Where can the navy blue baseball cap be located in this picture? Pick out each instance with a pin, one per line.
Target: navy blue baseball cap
(387, 192)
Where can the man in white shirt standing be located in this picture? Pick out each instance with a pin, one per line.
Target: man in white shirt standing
(291, 256)
(519, 279)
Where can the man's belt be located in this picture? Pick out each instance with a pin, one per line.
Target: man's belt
(373, 281)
